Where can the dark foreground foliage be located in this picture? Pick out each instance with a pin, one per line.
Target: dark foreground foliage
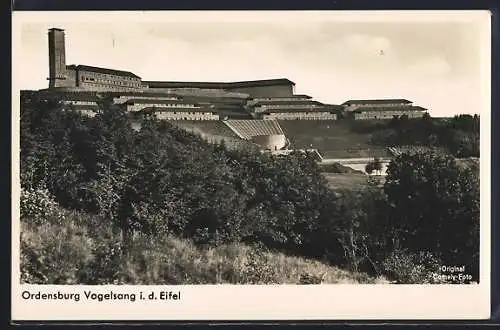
(163, 182)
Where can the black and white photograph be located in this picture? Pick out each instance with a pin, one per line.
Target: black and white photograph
(306, 150)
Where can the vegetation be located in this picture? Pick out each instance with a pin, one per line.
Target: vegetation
(459, 135)
(133, 201)
(374, 166)
(83, 249)
(338, 168)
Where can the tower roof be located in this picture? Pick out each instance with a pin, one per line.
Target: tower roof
(56, 29)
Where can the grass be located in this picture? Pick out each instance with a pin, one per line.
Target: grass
(68, 253)
(333, 138)
(352, 181)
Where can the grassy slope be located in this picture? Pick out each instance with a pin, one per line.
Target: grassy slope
(351, 181)
(334, 139)
(68, 250)
(216, 127)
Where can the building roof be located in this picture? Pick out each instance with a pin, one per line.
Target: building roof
(294, 96)
(140, 93)
(285, 102)
(217, 85)
(56, 29)
(258, 83)
(78, 97)
(382, 109)
(81, 107)
(158, 109)
(377, 101)
(152, 101)
(102, 70)
(322, 109)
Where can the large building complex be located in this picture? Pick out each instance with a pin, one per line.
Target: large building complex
(250, 109)
(258, 99)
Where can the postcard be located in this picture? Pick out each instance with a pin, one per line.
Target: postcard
(251, 165)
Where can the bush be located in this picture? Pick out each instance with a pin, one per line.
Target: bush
(411, 268)
(54, 254)
(39, 206)
(258, 269)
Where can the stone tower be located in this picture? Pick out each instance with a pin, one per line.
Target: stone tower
(57, 58)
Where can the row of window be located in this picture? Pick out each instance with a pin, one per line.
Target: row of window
(387, 113)
(115, 76)
(113, 82)
(164, 105)
(289, 106)
(281, 99)
(318, 114)
(190, 113)
(128, 97)
(385, 116)
(352, 106)
(80, 102)
(312, 117)
(186, 116)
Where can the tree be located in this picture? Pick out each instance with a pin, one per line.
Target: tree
(375, 165)
(434, 206)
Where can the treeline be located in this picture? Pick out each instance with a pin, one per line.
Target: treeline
(162, 181)
(459, 135)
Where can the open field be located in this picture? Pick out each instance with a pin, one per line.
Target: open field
(351, 181)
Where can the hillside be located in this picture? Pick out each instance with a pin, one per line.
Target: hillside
(209, 127)
(334, 139)
(215, 131)
(104, 202)
(77, 256)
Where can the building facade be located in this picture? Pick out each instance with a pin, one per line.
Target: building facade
(181, 114)
(382, 109)
(288, 108)
(299, 115)
(352, 105)
(384, 113)
(134, 105)
(101, 79)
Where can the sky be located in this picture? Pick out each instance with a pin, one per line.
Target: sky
(436, 63)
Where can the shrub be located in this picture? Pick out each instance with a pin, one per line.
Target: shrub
(258, 270)
(54, 254)
(39, 206)
(411, 268)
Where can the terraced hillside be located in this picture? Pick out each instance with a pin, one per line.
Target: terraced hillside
(215, 131)
(247, 129)
(333, 139)
(210, 127)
